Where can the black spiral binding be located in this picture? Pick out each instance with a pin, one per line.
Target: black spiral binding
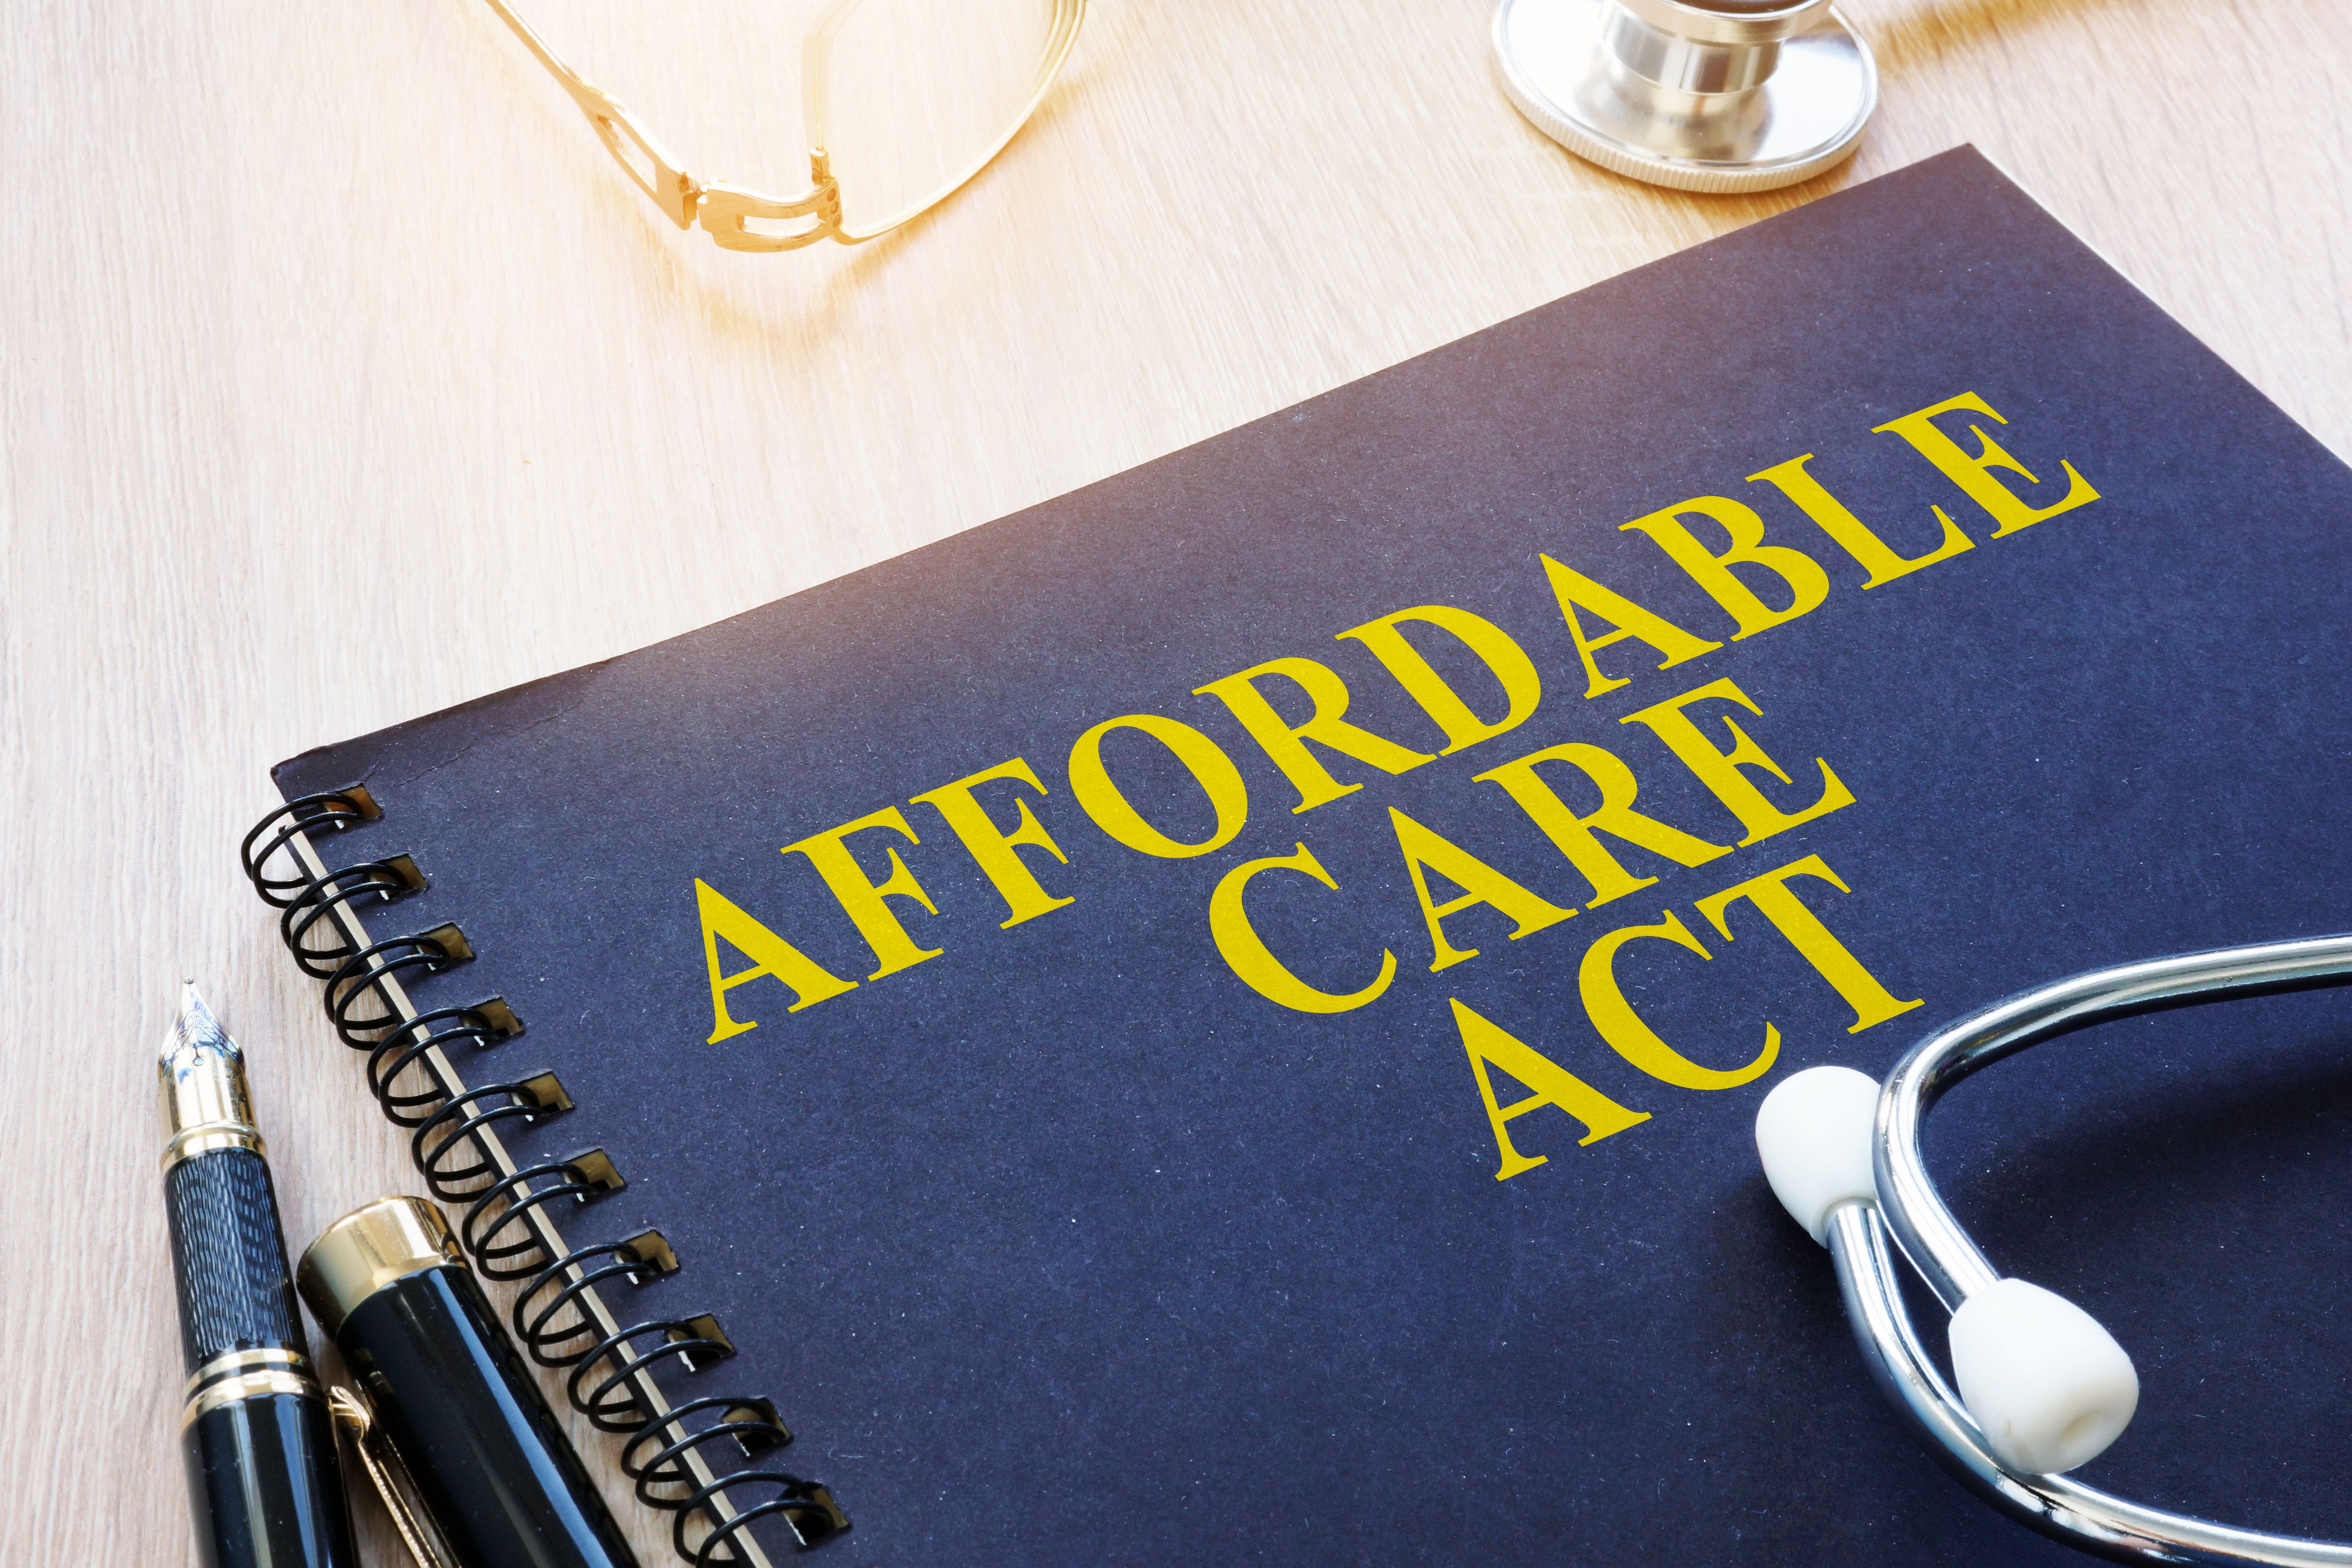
(506, 1225)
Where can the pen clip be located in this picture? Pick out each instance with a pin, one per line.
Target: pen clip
(354, 1413)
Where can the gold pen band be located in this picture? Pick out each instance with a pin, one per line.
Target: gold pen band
(249, 1386)
(189, 1143)
(220, 1366)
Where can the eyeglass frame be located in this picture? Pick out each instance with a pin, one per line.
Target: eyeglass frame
(724, 209)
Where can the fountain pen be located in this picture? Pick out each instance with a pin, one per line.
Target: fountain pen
(256, 1431)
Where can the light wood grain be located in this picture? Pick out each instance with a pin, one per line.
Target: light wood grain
(342, 378)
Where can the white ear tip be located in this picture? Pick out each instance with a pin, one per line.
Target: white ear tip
(1813, 1132)
(2048, 1386)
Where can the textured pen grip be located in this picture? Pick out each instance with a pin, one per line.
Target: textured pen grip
(236, 1290)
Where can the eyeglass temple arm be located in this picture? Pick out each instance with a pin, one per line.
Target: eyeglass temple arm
(721, 207)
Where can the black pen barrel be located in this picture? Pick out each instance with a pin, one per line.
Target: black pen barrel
(263, 1478)
(255, 1466)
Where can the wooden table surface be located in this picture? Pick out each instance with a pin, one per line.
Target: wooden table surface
(342, 378)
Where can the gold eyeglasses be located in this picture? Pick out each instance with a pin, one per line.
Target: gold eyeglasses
(903, 101)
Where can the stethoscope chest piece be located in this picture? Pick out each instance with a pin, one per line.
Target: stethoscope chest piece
(1699, 95)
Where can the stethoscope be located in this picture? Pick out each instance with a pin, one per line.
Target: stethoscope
(1702, 95)
(2043, 1387)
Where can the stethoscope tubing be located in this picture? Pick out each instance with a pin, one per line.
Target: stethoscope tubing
(1930, 1237)
(1909, 1209)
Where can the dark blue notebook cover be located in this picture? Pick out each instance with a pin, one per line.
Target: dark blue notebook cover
(1084, 1241)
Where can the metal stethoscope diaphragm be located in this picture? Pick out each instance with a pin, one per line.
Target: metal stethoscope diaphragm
(2042, 1386)
(1701, 95)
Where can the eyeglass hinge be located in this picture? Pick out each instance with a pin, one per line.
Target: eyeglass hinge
(828, 190)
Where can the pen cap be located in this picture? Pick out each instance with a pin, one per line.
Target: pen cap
(368, 1250)
(453, 1398)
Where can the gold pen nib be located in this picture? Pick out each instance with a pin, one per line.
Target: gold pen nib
(200, 1076)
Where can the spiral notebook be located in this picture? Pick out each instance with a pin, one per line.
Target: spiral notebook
(1218, 1018)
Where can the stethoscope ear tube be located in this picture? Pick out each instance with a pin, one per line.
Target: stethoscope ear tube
(2057, 1506)
(1819, 1123)
(1923, 1228)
